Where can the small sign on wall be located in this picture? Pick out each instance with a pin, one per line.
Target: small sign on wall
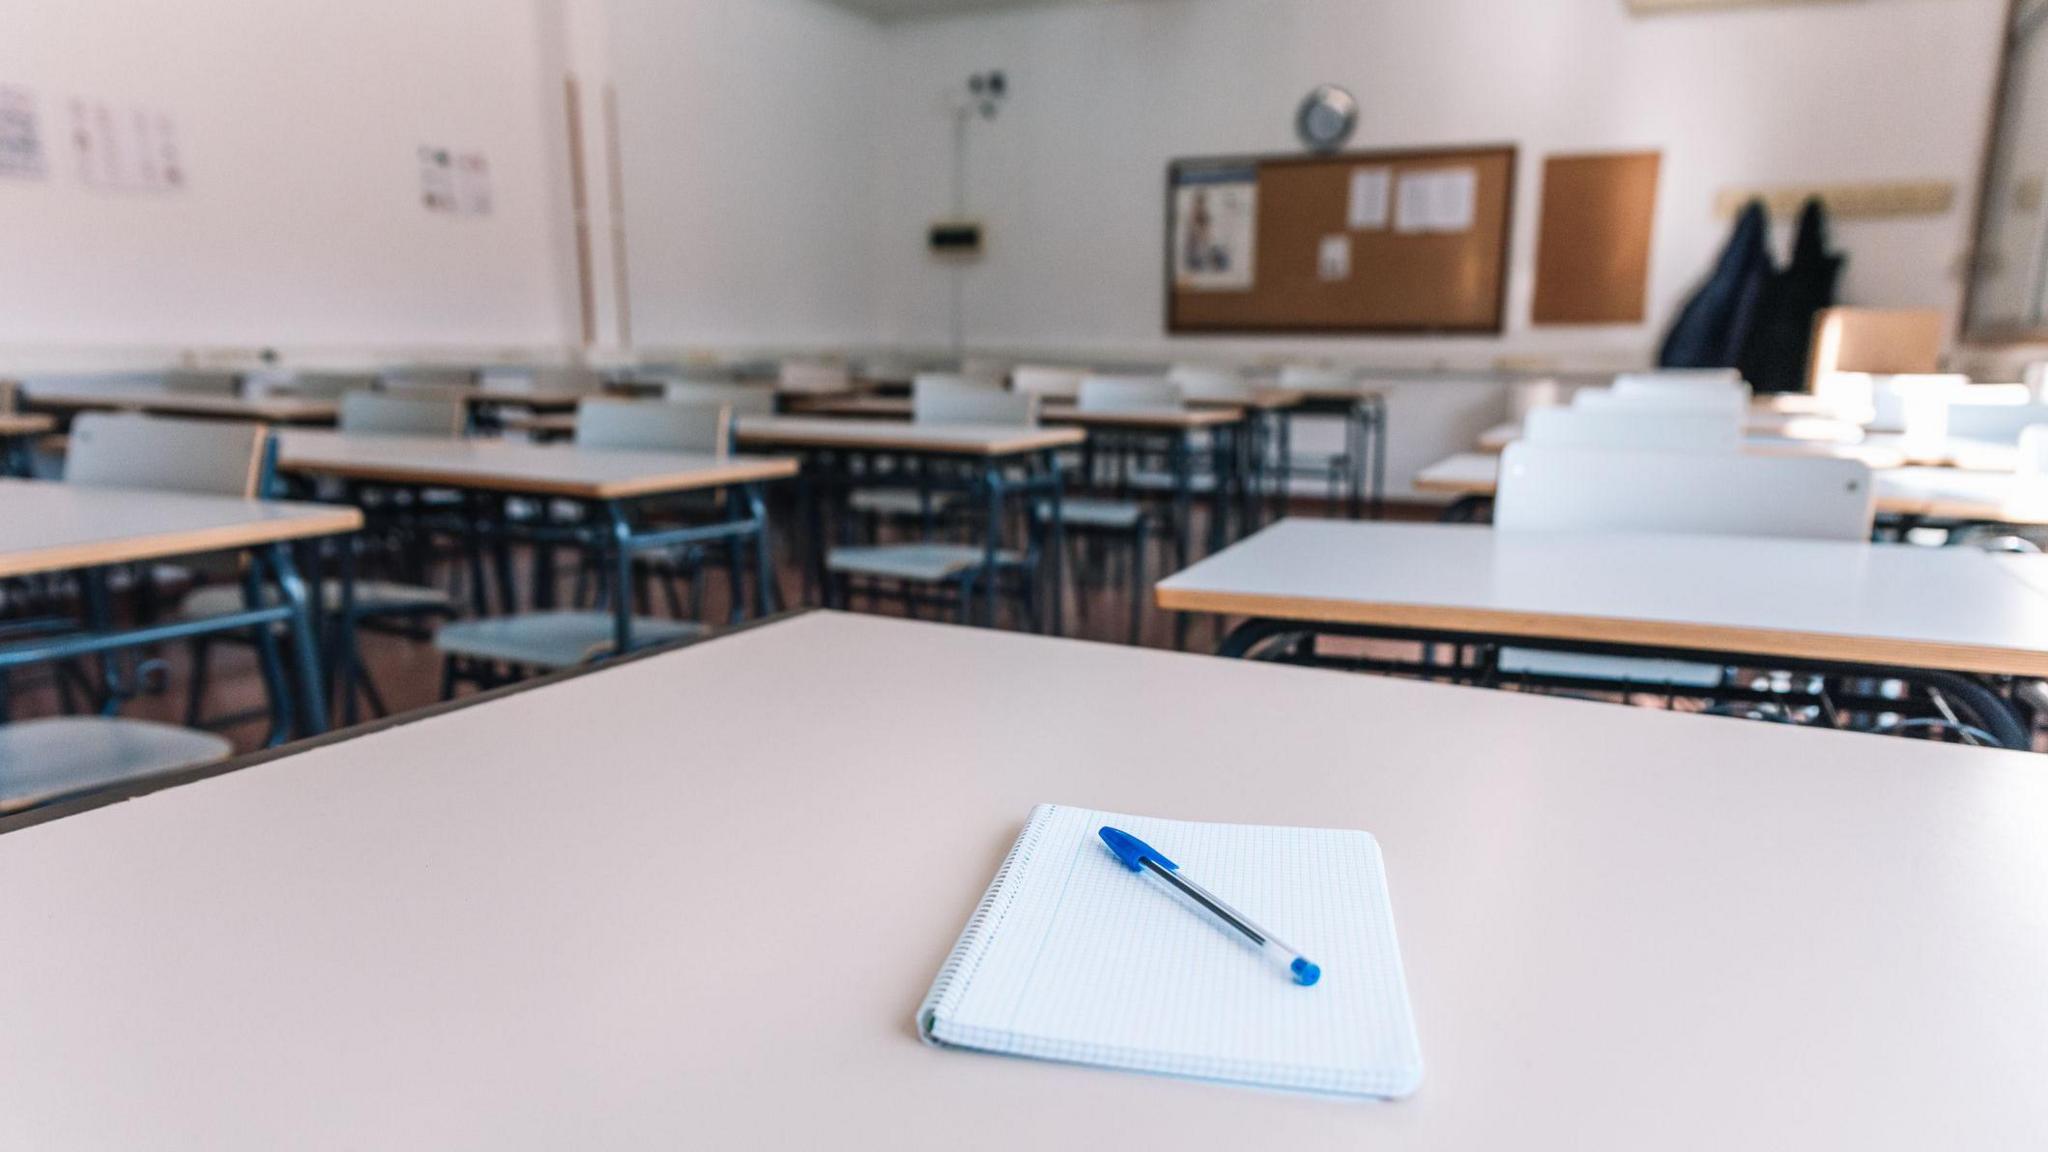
(454, 184)
(21, 135)
(125, 149)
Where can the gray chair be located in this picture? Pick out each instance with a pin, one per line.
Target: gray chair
(927, 563)
(501, 649)
(61, 757)
(201, 382)
(328, 385)
(375, 604)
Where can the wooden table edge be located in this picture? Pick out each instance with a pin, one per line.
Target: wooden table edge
(315, 520)
(748, 471)
(1683, 635)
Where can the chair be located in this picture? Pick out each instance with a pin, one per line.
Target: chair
(927, 562)
(1883, 342)
(813, 378)
(200, 382)
(1050, 383)
(544, 641)
(1664, 381)
(1733, 404)
(1993, 423)
(1127, 393)
(956, 380)
(571, 378)
(1679, 430)
(1547, 488)
(402, 414)
(61, 757)
(374, 604)
(1342, 471)
(1210, 385)
(742, 399)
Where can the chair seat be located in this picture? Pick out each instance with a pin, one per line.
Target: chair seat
(925, 563)
(896, 501)
(1086, 512)
(46, 760)
(1619, 669)
(1148, 480)
(551, 640)
(373, 597)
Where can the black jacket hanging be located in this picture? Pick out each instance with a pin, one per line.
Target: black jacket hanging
(1775, 358)
(1714, 326)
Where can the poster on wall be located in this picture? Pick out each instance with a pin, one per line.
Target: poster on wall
(1215, 229)
(21, 136)
(125, 149)
(1440, 200)
(437, 179)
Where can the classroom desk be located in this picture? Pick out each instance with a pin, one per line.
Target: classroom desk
(609, 483)
(48, 527)
(1363, 408)
(1890, 608)
(840, 454)
(18, 431)
(639, 907)
(1908, 494)
(81, 396)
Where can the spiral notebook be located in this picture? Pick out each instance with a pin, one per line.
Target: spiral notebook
(1071, 957)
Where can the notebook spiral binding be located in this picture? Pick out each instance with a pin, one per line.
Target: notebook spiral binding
(988, 916)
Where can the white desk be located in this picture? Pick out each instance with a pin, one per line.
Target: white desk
(91, 396)
(1621, 928)
(1889, 605)
(512, 466)
(47, 526)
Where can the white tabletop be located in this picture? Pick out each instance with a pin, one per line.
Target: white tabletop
(46, 526)
(515, 466)
(1894, 605)
(641, 909)
(902, 436)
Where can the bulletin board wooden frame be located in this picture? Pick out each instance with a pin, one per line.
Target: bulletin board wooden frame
(1400, 283)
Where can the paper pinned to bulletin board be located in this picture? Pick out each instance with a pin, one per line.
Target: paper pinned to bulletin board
(21, 135)
(1216, 223)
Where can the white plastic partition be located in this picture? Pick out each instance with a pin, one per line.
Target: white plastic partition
(1651, 429)
(1553, 489)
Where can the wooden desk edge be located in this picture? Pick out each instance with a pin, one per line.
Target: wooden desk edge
(315, 520)
(1717, 638)
(747, 470)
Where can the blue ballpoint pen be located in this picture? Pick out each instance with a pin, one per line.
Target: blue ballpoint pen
(1139, 856)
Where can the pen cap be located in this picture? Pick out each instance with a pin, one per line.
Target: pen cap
(1133, 851)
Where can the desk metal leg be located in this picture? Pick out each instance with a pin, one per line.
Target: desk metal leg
(1183, 498)
(311, 694)
(347, 661)
(622, 577)
(992, 479)
(764, 564)
(1056, 557)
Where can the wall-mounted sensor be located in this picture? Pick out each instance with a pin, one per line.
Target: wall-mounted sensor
(956, 239)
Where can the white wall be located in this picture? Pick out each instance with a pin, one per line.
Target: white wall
(749, 136)
(1070, 179)
(301, 225)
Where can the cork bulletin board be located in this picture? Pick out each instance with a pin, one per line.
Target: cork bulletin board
(1413, 241)
(1593, 247)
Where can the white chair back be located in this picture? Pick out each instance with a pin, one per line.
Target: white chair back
(743, 399)
(1993, 423)
(437, 415)
(1668, 380)
(1648, 429)
(571, 378)
(813, 377)
(1204, 382)
(952, 402)
(1128, 393)
(1051, 383)
(653, 426)
(1735, 405)
(1550, 489)
(121, 450)
(2033, 453)
(1317, 377)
